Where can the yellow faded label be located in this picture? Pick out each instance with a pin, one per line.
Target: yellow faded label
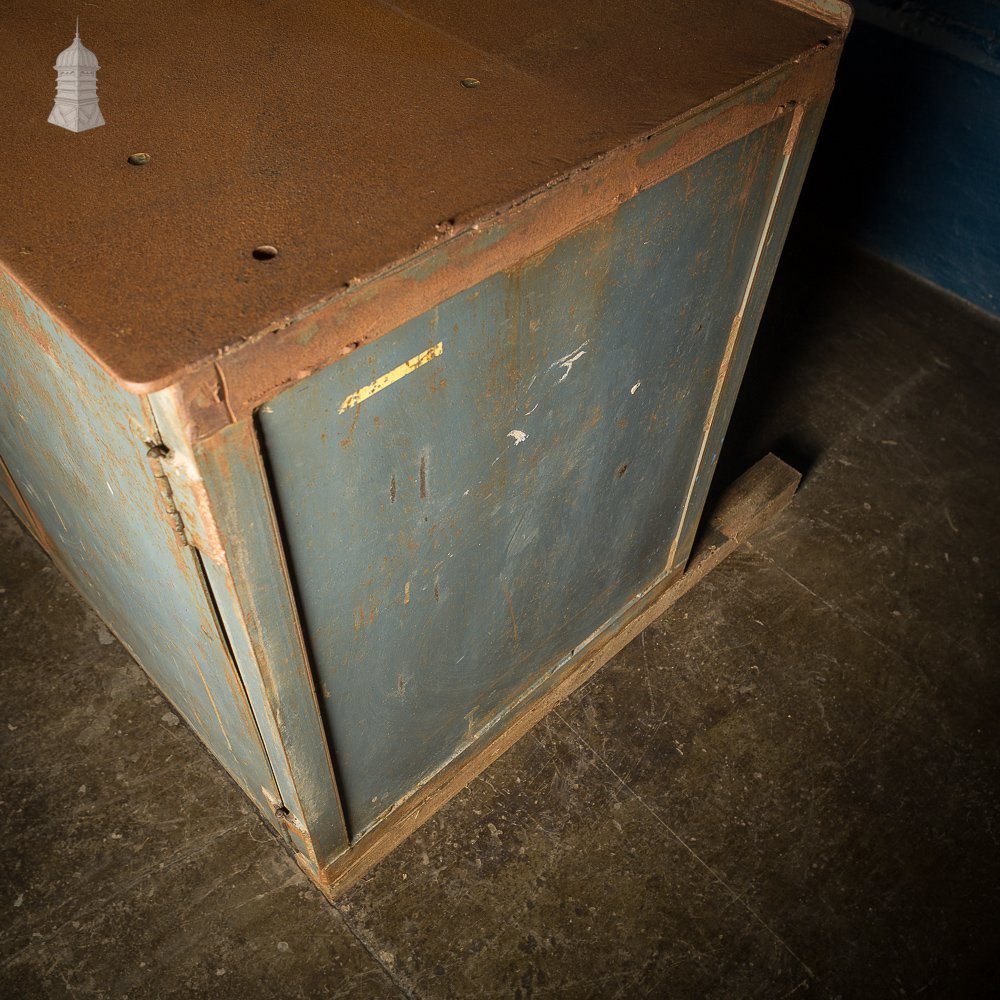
(384, 381)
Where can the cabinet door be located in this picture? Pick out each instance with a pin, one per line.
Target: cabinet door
(471, 498)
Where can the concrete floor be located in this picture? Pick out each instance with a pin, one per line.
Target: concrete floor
(786, 786)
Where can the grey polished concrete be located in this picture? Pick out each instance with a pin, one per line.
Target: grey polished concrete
(787, 786)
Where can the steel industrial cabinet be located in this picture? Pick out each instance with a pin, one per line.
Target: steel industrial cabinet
(394, 378)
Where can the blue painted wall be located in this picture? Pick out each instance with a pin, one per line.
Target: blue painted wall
(909, 160)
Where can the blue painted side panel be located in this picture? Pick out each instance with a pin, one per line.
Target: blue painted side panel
(73, 442)
(461, 531)
(909, 160)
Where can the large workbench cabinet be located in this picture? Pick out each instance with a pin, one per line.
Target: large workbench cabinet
(391, 384)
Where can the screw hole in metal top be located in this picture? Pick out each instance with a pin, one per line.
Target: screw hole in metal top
(139, 159)
(265, 252)
(470, 82)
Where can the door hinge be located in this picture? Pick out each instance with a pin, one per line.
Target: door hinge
(155, 456)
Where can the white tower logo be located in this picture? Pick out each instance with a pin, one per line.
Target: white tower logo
(76, 105)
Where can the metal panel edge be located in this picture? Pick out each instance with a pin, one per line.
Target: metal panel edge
(222, 492)
(798, 152)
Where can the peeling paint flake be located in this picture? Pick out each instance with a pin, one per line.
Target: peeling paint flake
(518, 437)
(632, 391)
(384, 381)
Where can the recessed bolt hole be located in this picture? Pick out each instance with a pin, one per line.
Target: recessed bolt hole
(265, 252)
(139, 159)
(470, 82)
(622, 470)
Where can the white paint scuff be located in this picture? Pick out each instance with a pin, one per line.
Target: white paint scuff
(518, 437)
(632, 391)
(569, 360)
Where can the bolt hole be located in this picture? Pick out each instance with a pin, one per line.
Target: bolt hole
(139, 159)
(265, 252)
(622, 470)
(470, 83)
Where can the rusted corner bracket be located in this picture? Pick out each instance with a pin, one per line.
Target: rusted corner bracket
(751, 503)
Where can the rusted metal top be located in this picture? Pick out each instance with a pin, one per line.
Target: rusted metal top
(346, 136)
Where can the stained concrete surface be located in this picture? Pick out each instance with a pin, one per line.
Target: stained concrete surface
(787, 786)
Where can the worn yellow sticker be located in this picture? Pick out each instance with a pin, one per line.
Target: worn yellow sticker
(383, 381)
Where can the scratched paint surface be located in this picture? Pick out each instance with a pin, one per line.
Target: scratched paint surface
(461, 532)
(74, 444)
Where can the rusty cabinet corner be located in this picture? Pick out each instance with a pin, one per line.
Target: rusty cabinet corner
(360, 505)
